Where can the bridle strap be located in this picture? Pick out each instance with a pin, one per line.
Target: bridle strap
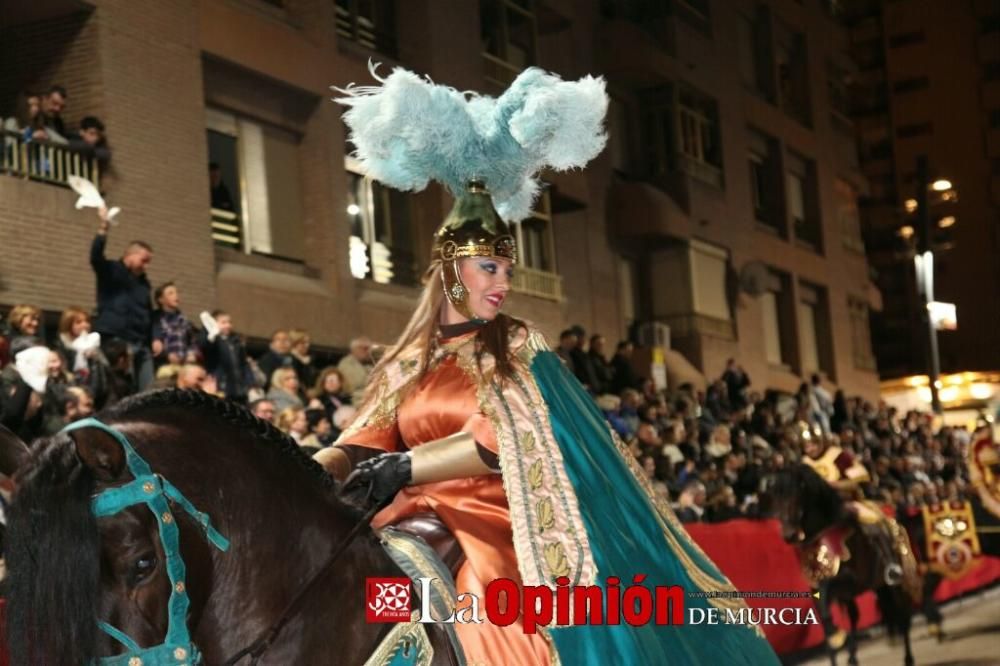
(156, 493)
(267, 637)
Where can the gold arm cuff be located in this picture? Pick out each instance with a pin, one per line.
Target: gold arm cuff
(336, 463)
(452, 457)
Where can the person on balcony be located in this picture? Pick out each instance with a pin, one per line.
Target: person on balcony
(221, 198)
(123, 300)
(52, 129)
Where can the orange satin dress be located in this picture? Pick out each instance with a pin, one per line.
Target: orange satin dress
(474, 509)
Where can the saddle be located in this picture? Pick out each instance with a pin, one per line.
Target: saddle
(432, 530)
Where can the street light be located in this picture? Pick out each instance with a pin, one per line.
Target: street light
(924, 262)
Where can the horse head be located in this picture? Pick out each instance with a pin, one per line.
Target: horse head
(801, 500)
(65, 563)
(87, 546)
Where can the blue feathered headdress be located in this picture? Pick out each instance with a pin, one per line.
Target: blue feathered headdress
(410, 130)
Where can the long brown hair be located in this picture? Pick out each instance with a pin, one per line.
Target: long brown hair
(493, 338)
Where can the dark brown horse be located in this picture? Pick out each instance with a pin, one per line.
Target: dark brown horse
(67, 569)
(808, 507)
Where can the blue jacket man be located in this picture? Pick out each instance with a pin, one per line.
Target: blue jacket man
(124, 311)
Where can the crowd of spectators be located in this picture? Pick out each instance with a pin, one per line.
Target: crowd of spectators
(704, 449)
(707, 450)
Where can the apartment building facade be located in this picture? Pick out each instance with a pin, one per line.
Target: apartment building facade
(928, 84)
(724, 206)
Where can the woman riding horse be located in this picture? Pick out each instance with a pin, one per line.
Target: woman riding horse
(471, 417)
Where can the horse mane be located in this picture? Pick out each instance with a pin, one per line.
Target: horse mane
(822, 502)
(232, 413)
(52, 538)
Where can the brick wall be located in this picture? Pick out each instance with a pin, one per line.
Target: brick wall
(59, 51)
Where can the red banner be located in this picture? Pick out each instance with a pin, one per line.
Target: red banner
(765, 563)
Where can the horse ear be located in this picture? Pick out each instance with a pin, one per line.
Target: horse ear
(13, 452)
(103, 455)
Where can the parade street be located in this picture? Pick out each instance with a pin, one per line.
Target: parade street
(972, 628)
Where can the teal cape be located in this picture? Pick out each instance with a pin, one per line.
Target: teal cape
(627, 539)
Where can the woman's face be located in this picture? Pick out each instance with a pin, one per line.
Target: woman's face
(488, 281)
(302, 346)
(54, 365)
(299, 424)
(332, 383)
(291, 383)
(28, 324)
(80, 326)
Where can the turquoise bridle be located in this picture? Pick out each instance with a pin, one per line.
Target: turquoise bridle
(155, 492)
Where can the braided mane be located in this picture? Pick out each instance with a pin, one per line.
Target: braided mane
(232, 413)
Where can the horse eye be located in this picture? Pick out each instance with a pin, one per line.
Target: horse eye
(143, 567)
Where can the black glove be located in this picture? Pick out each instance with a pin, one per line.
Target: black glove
(375, 482)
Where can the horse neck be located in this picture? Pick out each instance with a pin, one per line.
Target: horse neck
(283, 526)
(824, 509)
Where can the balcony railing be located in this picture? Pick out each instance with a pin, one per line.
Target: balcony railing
(499, 72)
(227, 228)
(541, 284)
(47, 162)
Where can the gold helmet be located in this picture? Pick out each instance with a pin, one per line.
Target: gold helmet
(473, 228)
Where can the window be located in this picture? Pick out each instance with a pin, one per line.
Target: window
(861, 339)
(507, 31)
(536, 271)
(708, 280)
(910, 85)
(756, 60)
(814, 330)
(765, 180)
(847, 215)
(801, 200)
(698, 132)
(534, 237)
(907, 39)
(776, 315)
(838, 76)
(657, 127)
(793, 73)
(989, 24)
(370, 23)
(381, 245)
(915, 130)
(618, 144)
(256, 200)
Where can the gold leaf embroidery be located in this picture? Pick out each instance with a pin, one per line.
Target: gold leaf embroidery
(555, 558)
(535, 475)
(527, 442)
(546, 516)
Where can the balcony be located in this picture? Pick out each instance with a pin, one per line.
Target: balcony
(227, 228)
(640, 210)
(540, 284)
(46, 162)
(630, 54)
